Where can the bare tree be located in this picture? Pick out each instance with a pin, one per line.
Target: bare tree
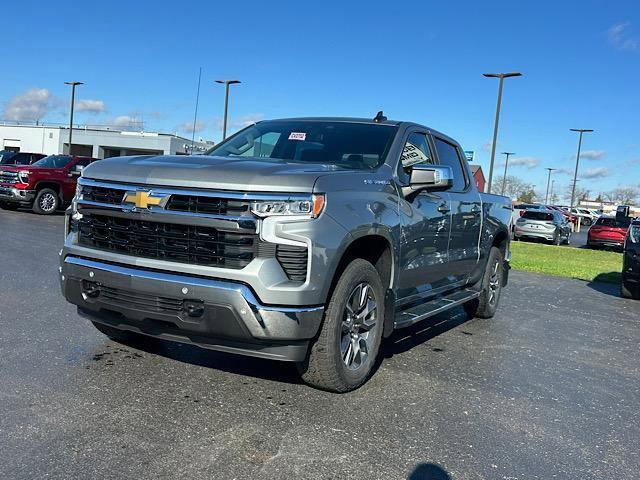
(623, 195)
(514, 186)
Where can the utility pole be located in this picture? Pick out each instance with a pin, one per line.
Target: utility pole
(575, 175)
(73, 97)
(506, 164)
(226, 103)
(546, 197)
(501, 76)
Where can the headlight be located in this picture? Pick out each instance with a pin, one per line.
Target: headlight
(634, 233)
(23, 176)
(307, 208)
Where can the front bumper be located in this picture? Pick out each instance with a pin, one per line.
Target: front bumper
(12, 194)
(210, 313)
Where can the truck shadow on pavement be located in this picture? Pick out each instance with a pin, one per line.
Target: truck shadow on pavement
(607, 283)
(285, 372)
(428, 471)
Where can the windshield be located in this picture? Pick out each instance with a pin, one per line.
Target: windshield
(612, 222)
(53, 161)
(6, 157)
(534, 215)
(349, 145)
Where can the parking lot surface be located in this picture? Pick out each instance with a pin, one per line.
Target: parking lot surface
(549, 388)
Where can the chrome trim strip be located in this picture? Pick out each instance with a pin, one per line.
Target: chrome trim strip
(160, 190)
(243, 290)
(221, 222)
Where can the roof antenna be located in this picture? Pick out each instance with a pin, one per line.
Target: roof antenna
(380, 117)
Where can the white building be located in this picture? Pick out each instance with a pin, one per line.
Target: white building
(97, 142)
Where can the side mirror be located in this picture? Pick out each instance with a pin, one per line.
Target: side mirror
(77, 170)
(429, 177)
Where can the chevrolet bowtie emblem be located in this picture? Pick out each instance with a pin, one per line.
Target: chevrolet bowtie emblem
(142, 199)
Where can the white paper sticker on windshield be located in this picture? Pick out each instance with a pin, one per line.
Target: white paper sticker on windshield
(297, 136)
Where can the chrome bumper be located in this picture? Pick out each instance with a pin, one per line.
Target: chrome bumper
(12, 194)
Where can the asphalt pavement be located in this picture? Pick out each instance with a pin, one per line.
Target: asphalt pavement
(549, 388)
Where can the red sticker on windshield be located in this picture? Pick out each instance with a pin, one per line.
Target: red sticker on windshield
(297, 136)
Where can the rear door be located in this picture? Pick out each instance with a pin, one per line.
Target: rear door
(466, 212)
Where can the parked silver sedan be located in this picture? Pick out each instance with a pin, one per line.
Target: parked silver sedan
(549, 225)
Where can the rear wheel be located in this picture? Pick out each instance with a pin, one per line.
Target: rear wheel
(46, 202)
(342, 357)
(491, 285)
(557, 238)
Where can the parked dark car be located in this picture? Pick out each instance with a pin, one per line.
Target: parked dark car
(608, 232)
(549, 225)
(9, 157)
(631, 262)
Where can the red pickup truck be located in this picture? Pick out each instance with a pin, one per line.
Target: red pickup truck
(44, 186)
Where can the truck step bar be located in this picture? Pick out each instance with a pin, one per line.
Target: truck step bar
(408, 317)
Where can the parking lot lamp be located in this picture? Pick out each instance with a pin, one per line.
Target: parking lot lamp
(226, 103)
(506, 164)
(73, 97)
(575, 175)
(546, 197)
(501, 76)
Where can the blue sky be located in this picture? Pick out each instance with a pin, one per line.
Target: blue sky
(419, 61)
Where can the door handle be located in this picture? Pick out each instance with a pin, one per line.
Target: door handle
(444, 208)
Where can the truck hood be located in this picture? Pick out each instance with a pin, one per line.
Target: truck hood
(220, 173)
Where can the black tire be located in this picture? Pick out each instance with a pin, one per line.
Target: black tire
(557, 238)
(486, 304)
(9, 205)
(46, 202)
(587, 222)
(123, 336)
(628, 292)
(327, 367)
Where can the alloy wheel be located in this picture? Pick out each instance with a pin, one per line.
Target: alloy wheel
(47, 202)
(358, 326)
(494, 283)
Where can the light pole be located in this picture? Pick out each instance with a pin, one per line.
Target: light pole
(226, 103)
(73, 97)
(501, 76)
(553, 184)
(546, 197)
(506, 164)
(575, 175)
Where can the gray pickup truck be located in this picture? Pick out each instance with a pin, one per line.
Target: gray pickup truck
(306, 240)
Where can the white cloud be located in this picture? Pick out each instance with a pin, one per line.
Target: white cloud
(620, 37)
(188, 126)
(90, 106)
(31, 105)
(529, 162)
(593, 154)
(597, 172)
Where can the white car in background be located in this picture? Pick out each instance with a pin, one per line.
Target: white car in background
(587, 217)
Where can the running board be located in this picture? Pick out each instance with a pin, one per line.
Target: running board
(415, 314)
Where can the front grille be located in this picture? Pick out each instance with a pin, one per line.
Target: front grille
(167, 241)
(112, 196)
(210, 205)
(8, 177)
(293, 260)
(131, 299)
(181, 203)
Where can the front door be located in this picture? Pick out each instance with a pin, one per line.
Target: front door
(426, 222)
(466, 214)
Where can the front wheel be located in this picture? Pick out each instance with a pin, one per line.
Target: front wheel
(46, 202)
(342, 357)
(486, 304)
